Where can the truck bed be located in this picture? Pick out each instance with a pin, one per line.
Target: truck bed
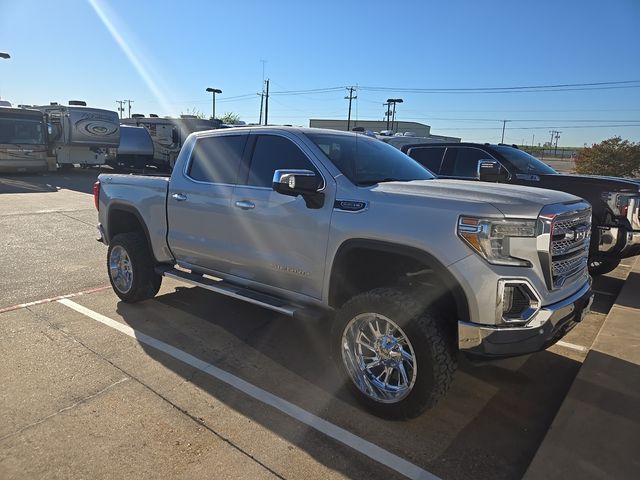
(143, 195)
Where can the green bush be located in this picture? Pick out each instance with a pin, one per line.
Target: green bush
(613, 157)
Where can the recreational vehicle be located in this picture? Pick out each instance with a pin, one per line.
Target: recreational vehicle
(23, 141)
(80, 134)
(168, 134)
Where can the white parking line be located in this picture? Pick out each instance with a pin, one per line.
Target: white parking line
(572, 346)
(52, 299)
(339, 434)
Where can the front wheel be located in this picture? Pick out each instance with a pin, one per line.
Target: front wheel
(131, 269)
(397, 357)
(600, 267)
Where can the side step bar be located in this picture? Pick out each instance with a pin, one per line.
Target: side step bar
(241, 293)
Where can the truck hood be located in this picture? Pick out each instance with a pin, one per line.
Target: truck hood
(511, 200)
(581, 184)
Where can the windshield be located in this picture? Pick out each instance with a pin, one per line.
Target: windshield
(367, 161)
(21, 131)
(522, 162)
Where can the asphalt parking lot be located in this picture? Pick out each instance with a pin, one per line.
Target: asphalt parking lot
(196, 385)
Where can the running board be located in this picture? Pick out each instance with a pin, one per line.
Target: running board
(241, 293)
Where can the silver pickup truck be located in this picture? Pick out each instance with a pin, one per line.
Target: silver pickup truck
(407, 270)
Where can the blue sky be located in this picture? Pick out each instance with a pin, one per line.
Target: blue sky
(65, 50)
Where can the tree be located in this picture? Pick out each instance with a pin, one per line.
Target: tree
(613, 157)
(195, 112)
(231, 118)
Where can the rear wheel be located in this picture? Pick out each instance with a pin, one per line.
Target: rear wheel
(396, 357)
(131, 268)
(600, 267)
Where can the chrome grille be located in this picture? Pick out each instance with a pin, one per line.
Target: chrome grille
(570, 236)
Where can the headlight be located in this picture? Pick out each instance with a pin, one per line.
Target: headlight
(490, 238)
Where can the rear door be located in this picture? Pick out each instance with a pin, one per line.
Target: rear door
(199, 202)
(430, 157)
(279, 241)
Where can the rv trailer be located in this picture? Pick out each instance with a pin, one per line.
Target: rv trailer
(168, 134)
(80, 134)
(135, 150)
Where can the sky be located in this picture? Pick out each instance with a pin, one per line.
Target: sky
(164, 54)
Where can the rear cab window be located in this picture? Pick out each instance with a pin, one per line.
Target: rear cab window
(217, 159)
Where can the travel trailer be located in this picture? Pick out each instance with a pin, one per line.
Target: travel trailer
(168, 134)
(79, 134)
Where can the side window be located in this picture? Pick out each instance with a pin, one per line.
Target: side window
(462, 162)
(430, 157)
(273, 153)
(216, 159)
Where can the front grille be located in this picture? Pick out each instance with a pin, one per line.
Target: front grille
(569, 249)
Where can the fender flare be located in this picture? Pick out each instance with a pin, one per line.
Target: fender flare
(449, 281)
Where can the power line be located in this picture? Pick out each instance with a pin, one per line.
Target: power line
(516, 89)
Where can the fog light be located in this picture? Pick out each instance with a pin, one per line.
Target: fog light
(517, 302)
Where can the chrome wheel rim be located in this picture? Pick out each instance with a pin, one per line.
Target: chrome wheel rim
(379, 358)
(120, 269)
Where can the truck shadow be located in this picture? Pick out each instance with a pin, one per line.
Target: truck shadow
(488, 426)
(76, 179)
(79, 180)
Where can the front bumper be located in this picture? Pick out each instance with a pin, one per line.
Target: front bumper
(550, 325)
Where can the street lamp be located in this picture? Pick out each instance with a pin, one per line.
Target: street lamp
(213, 92)
(4, 55)
(392, 101)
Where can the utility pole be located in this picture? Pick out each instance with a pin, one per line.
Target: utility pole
(351, 97)
(120, 107)
(129, 102)
(266, 104)
(555, 151)
(261, 106)
(504, 124)
(553, 133)
(388, 105)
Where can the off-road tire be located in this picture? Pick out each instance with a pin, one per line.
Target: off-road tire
(600, 267)
(146, 282)
(433, 341)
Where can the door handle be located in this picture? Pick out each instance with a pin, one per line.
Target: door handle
(245, 204)
(180, 197)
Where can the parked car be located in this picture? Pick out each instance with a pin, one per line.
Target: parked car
(615, 232)
(405, 269)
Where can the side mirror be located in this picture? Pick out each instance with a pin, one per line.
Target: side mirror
(300, 182)
(491, 171)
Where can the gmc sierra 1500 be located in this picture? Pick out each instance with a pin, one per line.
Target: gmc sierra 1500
(409, 270)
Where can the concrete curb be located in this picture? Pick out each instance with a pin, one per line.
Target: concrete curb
(596, 432)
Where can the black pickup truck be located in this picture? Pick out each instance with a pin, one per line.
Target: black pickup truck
(615, 230)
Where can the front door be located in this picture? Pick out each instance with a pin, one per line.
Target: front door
(280, 242)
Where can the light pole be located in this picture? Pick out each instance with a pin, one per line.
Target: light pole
(5, 55)
(213, 91)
